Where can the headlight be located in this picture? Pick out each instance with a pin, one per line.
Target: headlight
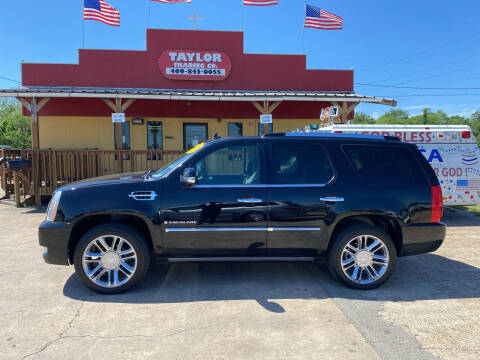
(53, 206)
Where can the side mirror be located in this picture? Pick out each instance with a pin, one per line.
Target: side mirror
(188, 177)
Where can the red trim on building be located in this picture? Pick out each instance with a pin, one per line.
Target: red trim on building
(182, 109)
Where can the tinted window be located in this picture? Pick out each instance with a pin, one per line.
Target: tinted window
(382, 165)
(300, 164)
(154, 135)
(232, 165)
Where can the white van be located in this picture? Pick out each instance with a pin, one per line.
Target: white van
(451, 150)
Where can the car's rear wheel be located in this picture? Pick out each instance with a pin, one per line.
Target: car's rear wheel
(111, 258)
(362, 257)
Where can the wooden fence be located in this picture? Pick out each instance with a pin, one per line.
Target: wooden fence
(50, 169)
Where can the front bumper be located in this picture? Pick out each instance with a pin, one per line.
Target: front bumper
(54, 237)
(422, 238)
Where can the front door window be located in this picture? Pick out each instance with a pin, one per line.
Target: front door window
(194, 134)
(232, 165)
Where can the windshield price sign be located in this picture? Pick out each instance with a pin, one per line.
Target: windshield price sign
(195, 65)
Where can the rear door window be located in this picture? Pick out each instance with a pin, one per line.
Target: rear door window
(379, 165)
(295, 163)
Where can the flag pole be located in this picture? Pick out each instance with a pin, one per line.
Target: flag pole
(83, 20)
(243, 14)
(149, 11)
(303, 30)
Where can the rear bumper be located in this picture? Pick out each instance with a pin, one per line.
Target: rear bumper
(54, 237)
(422, 238)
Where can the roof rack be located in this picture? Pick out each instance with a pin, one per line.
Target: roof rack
(333, 135)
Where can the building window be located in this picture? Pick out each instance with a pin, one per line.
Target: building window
(235, 129)
(260, 129)
(154, 135)
(125, 136)
(194, 134)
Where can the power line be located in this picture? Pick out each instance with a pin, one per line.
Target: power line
(434, 76)
(415, 87)
(418, 53)
(4, 78)
(422, 70)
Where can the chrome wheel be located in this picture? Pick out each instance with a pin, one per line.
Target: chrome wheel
(365, 259)
(109, 261)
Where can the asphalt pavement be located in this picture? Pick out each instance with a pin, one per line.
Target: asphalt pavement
(429, 309)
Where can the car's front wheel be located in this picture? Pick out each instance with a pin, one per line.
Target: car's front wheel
(362, 257)
(111, 258)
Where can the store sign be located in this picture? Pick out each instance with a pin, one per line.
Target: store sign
(266, 119)
(194, 65)
(118, 117)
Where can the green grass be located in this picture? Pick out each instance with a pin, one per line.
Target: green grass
(475, 209)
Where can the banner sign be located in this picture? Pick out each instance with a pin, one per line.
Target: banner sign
(195, 65)
(266, 119)
(118, 117)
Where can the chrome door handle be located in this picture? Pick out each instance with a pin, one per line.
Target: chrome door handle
(250, 200)
(332, 199)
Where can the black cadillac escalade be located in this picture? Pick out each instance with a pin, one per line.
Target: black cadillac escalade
(359, 201)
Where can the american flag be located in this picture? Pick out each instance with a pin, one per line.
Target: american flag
(173, 1)
(260, 2)
(321, 19)
(468, 184)
(101, 11)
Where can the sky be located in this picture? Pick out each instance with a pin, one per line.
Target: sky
(423, 53)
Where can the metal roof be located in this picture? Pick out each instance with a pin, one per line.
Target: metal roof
(178, 94)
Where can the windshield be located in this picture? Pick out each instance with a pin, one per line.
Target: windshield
(164, 170)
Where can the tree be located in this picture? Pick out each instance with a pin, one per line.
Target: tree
(362, 118)
(394, 117)
(475, 124)
(15, 128)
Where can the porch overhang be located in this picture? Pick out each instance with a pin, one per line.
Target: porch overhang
(192, 95)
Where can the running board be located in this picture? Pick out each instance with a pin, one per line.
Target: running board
(241, 259)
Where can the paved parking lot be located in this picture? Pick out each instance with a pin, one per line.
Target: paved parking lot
(429, 309)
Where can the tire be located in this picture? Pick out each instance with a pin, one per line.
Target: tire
(123, 258)
(362, 257)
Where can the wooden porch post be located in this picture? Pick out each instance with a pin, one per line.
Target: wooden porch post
(118, 126)
(266, 109)
(35, 128)
(34, 109)
(118, 108)
(345, 110)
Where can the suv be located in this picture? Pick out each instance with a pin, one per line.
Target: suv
(357, 200)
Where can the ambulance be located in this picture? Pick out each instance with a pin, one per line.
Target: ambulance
(450, 149)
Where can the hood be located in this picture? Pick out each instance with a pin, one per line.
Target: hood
(133, 177)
